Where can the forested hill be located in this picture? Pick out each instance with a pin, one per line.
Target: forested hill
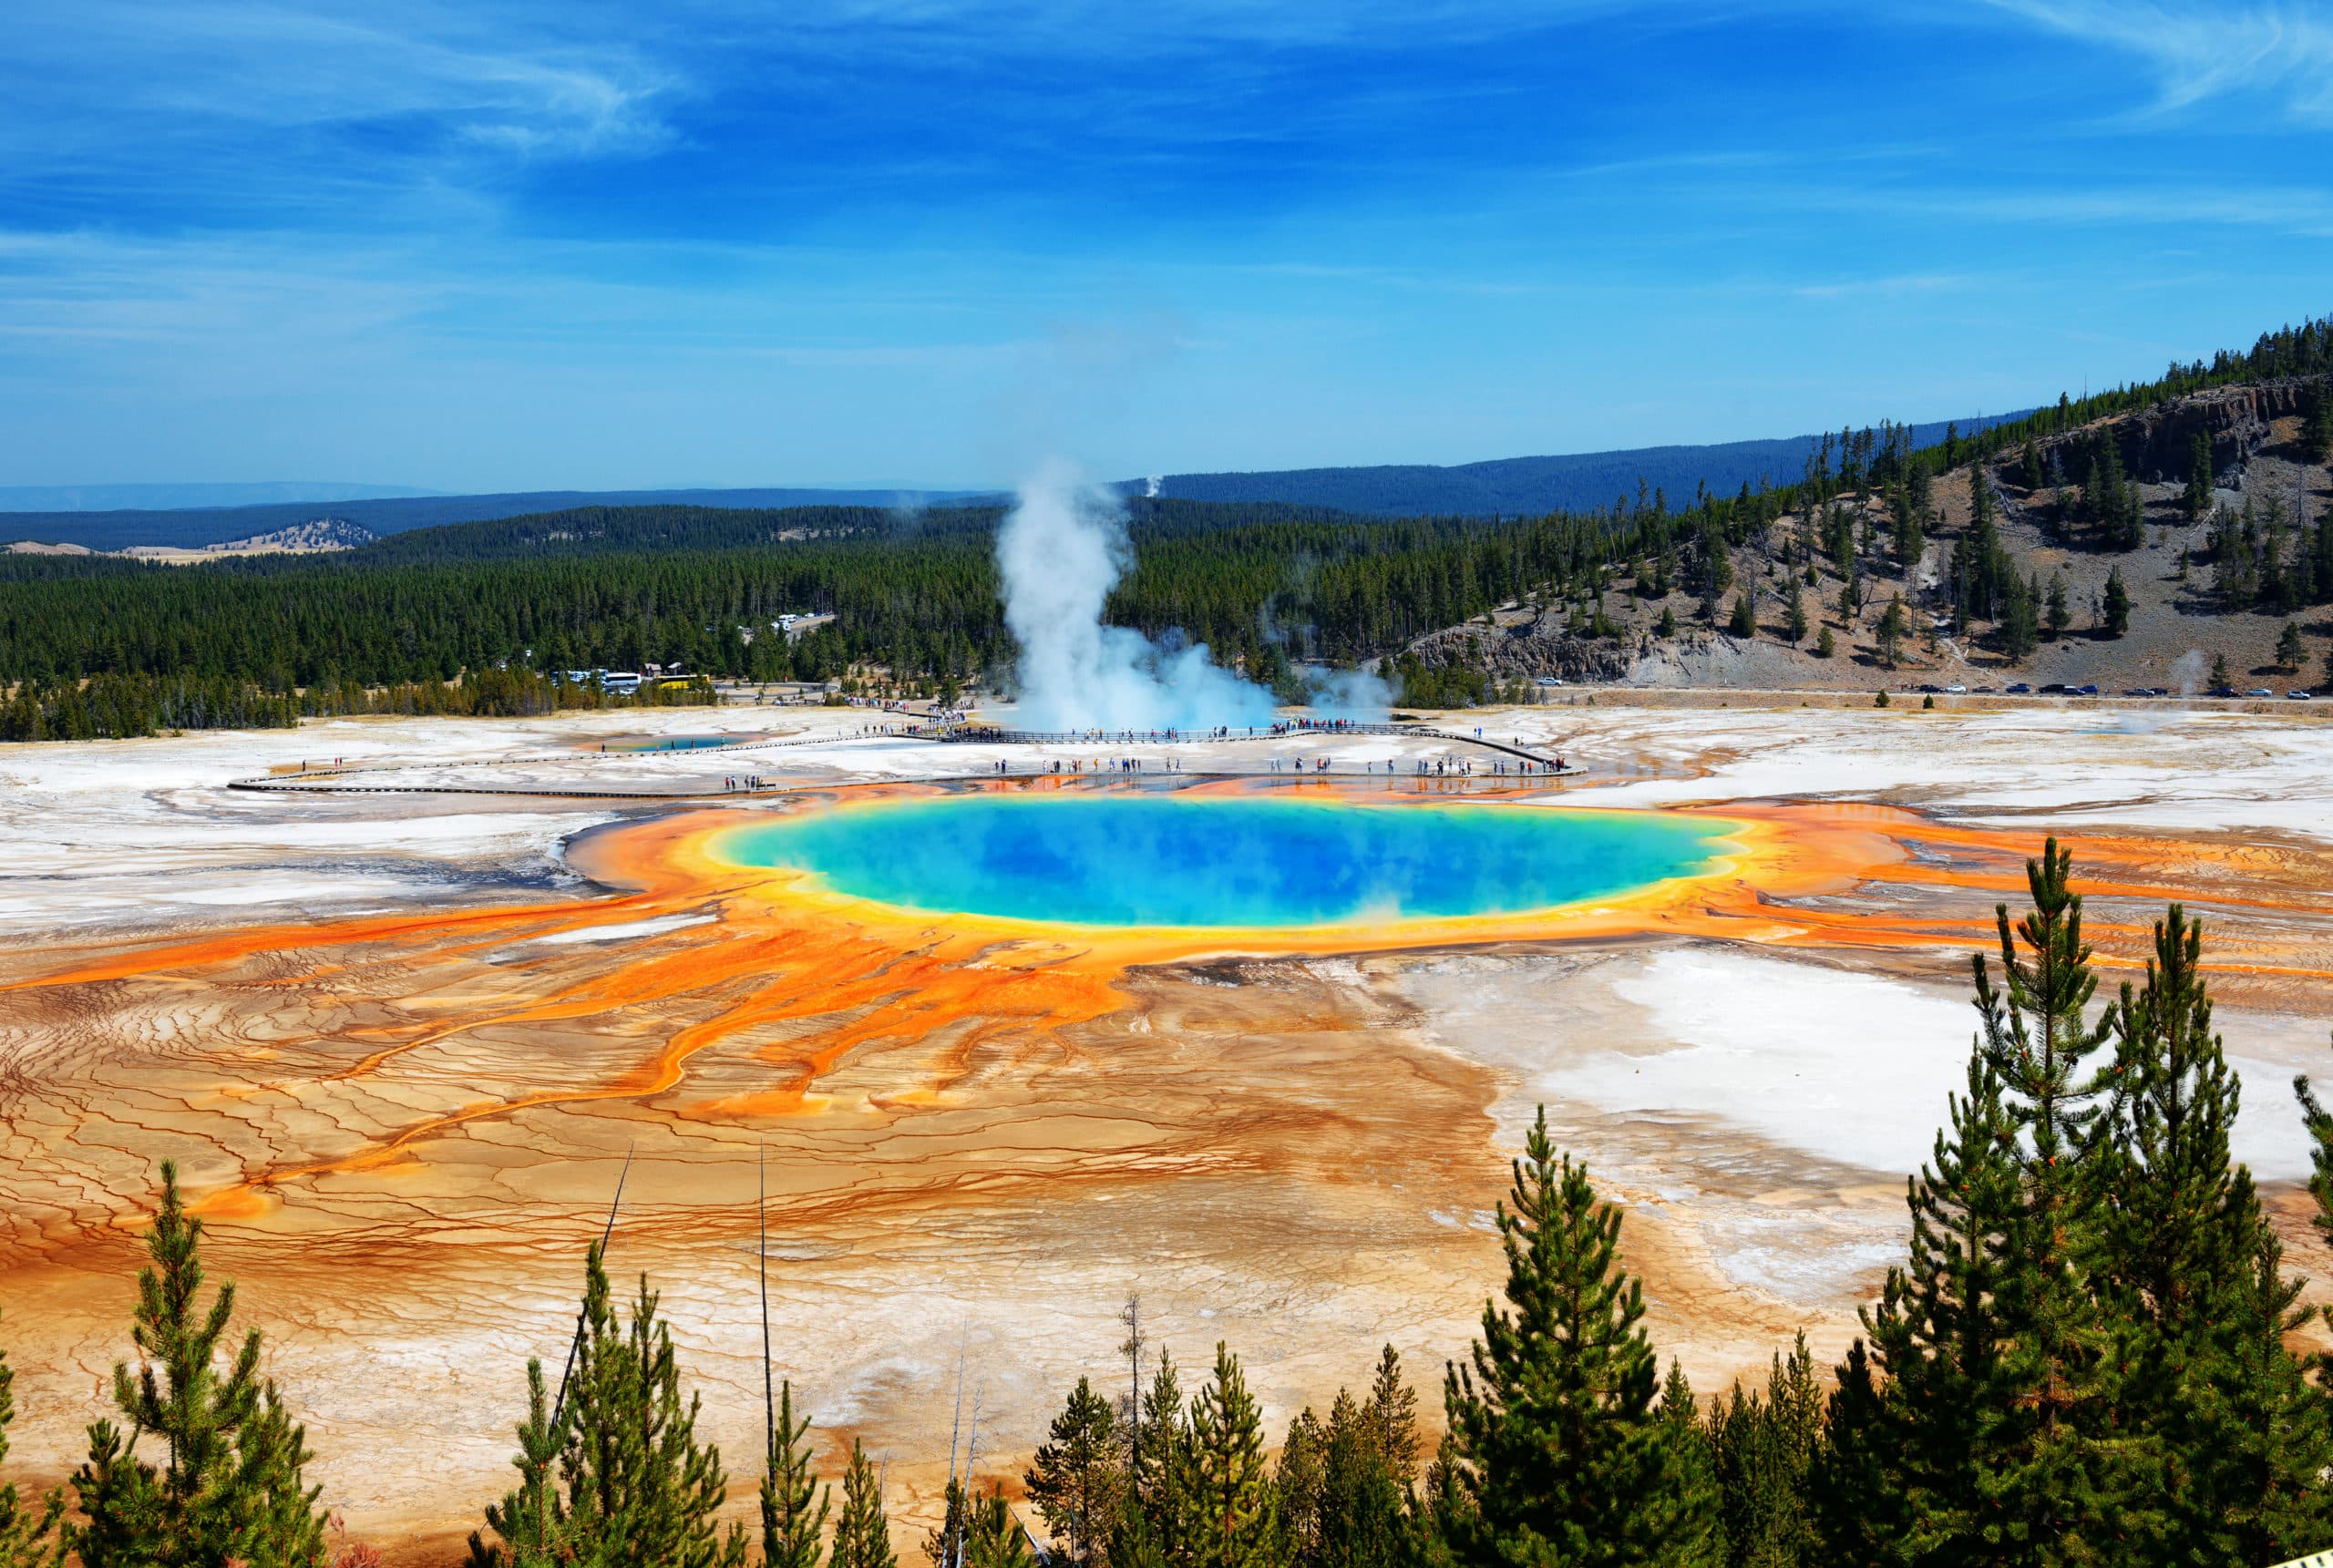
(1514, 486)
(603, 530)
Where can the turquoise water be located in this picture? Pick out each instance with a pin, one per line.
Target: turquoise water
(1164, 860)
(674, 743)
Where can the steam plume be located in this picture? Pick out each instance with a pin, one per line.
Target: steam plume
(1060, 553)
(2188, 671)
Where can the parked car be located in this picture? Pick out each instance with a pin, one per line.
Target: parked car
(2302, 696)
(2142, 692)
(2221, 692)
(2056, 689)
(1955, 688)
(1932, 691)
(2088, 691)
(2017, 688)
(2259, 691)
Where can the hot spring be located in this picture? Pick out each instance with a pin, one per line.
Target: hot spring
(1125, 860)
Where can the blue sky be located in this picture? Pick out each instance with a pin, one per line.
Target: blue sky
(490, 245)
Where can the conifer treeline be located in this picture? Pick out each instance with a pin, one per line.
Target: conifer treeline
(109, 706)
(2085, 1358)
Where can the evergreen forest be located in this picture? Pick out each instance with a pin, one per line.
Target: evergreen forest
(2088, 1354)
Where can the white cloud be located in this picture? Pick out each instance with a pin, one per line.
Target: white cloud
(2201, 52)
(479, 76)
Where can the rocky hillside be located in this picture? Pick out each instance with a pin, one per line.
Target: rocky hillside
(2130, 567)
(316, 536)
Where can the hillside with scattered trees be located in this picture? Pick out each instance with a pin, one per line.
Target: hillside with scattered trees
(2174, 535)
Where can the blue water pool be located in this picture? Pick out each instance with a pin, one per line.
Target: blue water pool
(1167, 860)
(673, 743)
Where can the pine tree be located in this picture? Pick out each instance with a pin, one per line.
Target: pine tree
(1341, 1486)
(1152, 1530)
(1858, 1500)
(1991, 1421)
(273, 1463)
(2020, 633)
(635, 1472)
(1795, 618)
(1077, 1479)
(793, 1507)
(1825, 644)
(992, 1536)
(638, 1488)
(2196, 502)
(1742, 622)
(1901, 1476)
(1392, 1416)
(232, 1485)
(1298, 1482)
(531, 1519)
(1908, 535)
(2058, 616)
(1701, 1536)
(1226, 1492)
(2052, 1471)
(27, 1536)
(2117, 620)
(2192, 1275)
(1361, 1519)
(1554, 1453)
(1764, 1450)
(2111, 502)
(944, 1544)
(862, 1532)
(2289, 649)
(1893, 623)
(2317, 429)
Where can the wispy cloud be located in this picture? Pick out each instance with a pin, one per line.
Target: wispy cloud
(2201, 52)
(485, 73)
(1885, 288)
(2301, 210)
(249, 113)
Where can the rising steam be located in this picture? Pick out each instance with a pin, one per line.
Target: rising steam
(2188, 671)
(1059, 553)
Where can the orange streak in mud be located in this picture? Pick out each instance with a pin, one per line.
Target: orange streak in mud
(833, 975)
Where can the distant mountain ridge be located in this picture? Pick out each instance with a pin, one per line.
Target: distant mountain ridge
(181, 497)
(1504, 486)
(1510, 486)
(193, 529)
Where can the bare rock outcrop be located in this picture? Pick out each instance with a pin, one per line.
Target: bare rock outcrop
(1526, 651)
(2156, 442)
